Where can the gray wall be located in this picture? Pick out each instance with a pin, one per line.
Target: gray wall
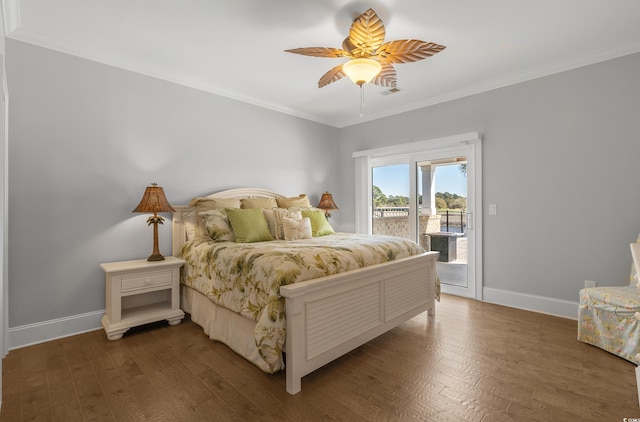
(85, 140)
(560, 155)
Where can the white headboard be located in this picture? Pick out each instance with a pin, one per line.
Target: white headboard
(179, 235)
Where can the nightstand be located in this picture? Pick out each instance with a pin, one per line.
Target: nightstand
(140, 292)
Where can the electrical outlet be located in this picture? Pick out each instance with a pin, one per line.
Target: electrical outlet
(493, 209)
(589, 284)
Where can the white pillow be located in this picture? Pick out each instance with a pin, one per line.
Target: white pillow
(296, 228)
(274, 218)
(279, 215)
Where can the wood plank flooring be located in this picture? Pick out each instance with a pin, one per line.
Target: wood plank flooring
(473, 361)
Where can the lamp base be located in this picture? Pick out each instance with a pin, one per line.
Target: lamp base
(155, 257)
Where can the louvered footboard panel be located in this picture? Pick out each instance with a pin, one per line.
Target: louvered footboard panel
(404, 292)
(335, 319)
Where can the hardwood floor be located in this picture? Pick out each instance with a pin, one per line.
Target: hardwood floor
(472, 362)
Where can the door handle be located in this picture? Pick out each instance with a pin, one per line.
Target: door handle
(469, 221)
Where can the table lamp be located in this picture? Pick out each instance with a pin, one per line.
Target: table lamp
(326, 203)
(154, 201)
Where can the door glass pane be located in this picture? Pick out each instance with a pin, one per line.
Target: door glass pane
(442, 210)
(391, 200)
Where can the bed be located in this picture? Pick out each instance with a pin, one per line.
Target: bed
(373, 284)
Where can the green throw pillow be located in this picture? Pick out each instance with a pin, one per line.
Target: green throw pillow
(319, 224)
(249, 225)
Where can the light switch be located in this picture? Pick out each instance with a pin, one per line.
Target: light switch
(493, 209)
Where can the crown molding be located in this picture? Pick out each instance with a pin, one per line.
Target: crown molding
(10, 15)
(23, 34)
(508, 80)
(127, 63)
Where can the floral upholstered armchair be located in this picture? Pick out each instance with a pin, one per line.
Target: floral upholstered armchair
(609, 317)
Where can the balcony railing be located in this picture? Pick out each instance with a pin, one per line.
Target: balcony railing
(449, 219)
(390, 212)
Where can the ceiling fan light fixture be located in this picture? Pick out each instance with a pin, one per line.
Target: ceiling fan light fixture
(361, 70)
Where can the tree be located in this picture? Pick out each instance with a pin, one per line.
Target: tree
(444, 200)
(451, 200)
(458, 203)
(379, 198)
(397, 201)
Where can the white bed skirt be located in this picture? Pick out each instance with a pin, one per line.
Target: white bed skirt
(225, 326)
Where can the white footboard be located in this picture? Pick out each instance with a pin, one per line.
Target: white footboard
(329, 317)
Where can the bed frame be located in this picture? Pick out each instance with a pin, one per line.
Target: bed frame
(328, 317)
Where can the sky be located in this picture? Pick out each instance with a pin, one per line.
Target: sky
(394, 180)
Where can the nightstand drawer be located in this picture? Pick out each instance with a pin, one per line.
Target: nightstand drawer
(146, 280)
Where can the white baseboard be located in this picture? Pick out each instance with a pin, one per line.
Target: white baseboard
(40, 332)
(638, 382)
(542, 304)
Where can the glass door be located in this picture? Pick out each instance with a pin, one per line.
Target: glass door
(442, 216)
(429, 192)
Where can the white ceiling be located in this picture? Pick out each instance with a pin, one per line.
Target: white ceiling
(235, 47)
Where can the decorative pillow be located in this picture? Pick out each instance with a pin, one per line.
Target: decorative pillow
(296, 228)
(217, 225)
(279, 214)
(258, 203)
(249, 225)
(193, 223)
(206, 204)
(319, 224)
(190, 220)
(296, 201)
(269, 215)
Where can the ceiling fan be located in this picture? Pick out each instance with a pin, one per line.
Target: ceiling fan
(370, 59)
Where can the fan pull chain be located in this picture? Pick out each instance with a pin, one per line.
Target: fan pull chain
(361, 99)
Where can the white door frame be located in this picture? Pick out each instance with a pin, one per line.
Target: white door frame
(468, 144)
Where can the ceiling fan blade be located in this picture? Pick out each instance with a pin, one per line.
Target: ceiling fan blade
(319, 52)
(406, 51)
(366, 34)
(387, 77)
(331, 76)
(347, 45)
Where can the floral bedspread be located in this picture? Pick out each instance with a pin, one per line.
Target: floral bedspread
(246, 277)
